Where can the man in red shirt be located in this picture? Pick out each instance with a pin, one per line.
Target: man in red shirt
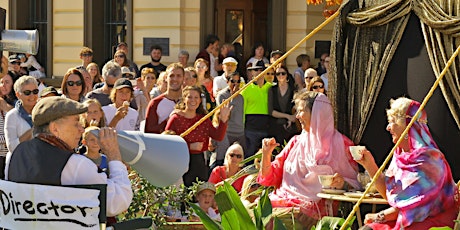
(160, 108)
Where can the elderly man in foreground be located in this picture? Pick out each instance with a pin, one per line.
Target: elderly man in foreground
(49, 158)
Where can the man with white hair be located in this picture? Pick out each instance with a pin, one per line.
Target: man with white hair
(229, 66)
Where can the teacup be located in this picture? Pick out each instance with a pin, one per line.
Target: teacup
(356, 152)
(325, 180)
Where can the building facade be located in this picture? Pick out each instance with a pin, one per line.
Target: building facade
(66, 26)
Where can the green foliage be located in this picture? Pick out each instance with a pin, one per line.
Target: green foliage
(328, 223)
(441, 228)
(152, 201)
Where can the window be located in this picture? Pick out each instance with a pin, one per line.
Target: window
(114, 25)
(38, 20)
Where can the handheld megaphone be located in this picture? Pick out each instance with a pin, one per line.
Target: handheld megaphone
(19, 41)
(161, 159)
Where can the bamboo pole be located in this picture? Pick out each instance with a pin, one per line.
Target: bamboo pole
(406, 131)
(313, 32)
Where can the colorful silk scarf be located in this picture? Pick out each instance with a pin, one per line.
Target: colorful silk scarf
(419, 182)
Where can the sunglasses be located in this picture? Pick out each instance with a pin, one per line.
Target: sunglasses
(72, 83)
(235, 81)
(239, 156)
(119, 56)
(87, 55)
(308, 77)
(28, 92)
(318, 87)
(281, 73)
(253, 186)
(270, 73)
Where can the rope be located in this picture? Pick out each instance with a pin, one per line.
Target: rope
(406, 131)
(313, 32)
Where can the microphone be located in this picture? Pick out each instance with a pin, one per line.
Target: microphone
(161, 159)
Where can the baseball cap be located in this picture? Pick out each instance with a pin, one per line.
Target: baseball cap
(204, 186)
(229, 60)
(123, 83)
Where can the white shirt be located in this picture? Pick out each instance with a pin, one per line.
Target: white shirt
(81, 170)
(164, 109)
(15, 126)
(130, 122)
(219, 83)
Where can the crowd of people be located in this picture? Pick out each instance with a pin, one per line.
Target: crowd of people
(43, 126)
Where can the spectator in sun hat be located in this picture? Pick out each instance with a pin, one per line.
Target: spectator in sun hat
(118, 114)
(229, 66)
(49, 91)
(127, 73)
(50, 158)
(205, 196)
(15, 65)
(255, 69)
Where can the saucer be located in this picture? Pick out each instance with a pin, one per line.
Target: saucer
(333, 191)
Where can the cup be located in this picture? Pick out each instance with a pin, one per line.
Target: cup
(325, 180)
(356, 152)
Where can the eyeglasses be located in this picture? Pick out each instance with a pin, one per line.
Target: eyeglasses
(239, 156)
(72, 83)
(281, 73)
(235, 81)
(318, 86)
(28, 92)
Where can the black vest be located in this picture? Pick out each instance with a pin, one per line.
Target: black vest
(37, 162)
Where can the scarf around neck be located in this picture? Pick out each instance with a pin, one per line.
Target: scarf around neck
(23, 113)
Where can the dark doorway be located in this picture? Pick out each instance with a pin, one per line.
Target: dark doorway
(242, 21)
(410, 74)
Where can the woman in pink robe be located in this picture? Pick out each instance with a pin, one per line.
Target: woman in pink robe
(319, 150)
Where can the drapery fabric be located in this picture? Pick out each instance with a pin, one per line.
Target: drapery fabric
(366, 36)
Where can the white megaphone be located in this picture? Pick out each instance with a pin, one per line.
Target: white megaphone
(19, 41)
(161, 159)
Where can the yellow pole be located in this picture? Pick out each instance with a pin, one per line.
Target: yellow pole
(313, 32)
(422, 105)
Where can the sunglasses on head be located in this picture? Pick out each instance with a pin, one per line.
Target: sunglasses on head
(281, 73)
(72, 83)
(239, 156)
(28, 92)
(318, 86)
(235, 81)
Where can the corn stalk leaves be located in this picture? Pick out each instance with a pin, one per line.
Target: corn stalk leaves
(205, 219)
